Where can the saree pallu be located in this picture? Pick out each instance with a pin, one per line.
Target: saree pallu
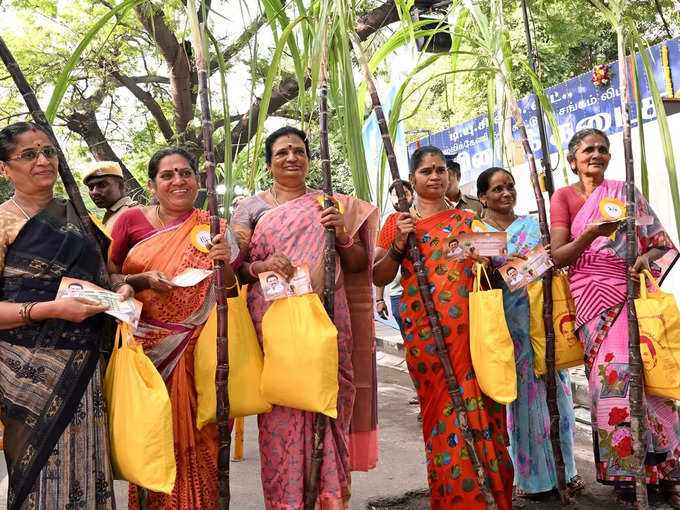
(598, 285)
(452, 480)
(528, 416)
(286, 435)
(56, 438)
(168, 329)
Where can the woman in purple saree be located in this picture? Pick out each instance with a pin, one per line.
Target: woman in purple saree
(595, 253)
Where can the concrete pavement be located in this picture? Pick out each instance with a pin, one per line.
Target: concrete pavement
(399, 482)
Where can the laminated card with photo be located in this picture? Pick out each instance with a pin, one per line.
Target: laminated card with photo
(519, 273)
(275, 286)
(127, 311)
(485, 244)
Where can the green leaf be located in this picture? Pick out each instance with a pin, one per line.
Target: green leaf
(664, 130)
(62, 82)
(273, 71)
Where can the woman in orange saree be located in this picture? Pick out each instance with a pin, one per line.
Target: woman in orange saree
(450, 473)
(151, 246)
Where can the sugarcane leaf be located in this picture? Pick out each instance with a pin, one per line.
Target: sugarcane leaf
(644, 177)
(267, 92)
(62, 81)
(664, 131)
(490, 110)
(549, 113)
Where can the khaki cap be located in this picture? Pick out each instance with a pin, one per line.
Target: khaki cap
(101, 168)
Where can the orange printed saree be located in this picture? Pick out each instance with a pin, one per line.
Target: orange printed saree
(168, 329)
(452, 480)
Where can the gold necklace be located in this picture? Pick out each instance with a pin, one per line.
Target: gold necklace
(158, 215)
(497, 224)
(272, 192)
(16, 204)
(447, 205)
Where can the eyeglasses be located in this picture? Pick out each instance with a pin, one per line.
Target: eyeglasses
(32, 154)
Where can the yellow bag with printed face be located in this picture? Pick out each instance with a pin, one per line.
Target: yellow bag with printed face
(568, 348)
(245, 365)
(659, 325)
(491, 348)
(140, 417)
(300, 355)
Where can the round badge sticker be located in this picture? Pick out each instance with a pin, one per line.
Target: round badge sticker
(478, 226)
(200, 237)
(612, 208)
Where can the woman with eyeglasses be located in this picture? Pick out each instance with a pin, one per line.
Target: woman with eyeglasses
(151, 245)
(51, 368)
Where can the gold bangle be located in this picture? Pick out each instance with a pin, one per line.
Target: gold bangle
(29, 309)
(235, 284)
(25, 313)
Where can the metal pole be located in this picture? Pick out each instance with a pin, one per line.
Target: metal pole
(545, 147)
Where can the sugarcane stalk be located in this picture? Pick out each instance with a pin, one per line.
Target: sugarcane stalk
(222, 372)
(413, 253)
(64, 170)
(320, 420)
(551, 381)
(637, 417)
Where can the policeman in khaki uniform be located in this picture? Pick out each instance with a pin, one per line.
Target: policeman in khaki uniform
(104, 180)
(454, 195)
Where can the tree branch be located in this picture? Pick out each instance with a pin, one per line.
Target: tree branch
(234, 48)
(85, 124)
(151, 104)
(178, 63)
(288, 89)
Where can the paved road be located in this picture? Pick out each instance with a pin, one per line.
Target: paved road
(399, 481)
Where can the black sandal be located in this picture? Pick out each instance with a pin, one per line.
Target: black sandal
(625, 496)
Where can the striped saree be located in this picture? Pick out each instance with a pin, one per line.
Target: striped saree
(598, 285)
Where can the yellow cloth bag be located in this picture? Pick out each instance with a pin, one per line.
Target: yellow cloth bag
(140, 417)
(568, 348)
(300, 355)
(659, 325)
(245, 365)
(491, 348)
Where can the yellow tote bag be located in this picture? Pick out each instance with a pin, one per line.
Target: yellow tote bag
(245, 365)
(300, 355)
(493, 354)
(659, 325)
(140, 417)
(568, 348)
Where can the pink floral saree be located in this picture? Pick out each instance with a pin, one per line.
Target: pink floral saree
(598, 285)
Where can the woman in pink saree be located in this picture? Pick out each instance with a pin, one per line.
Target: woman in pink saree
(282, 228)
(595, 254)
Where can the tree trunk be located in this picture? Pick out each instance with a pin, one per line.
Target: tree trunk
(85, 124)
(551, 382)
(320, 420)
(414, 254)
(222, 373)
(637, 417)
(64, 170)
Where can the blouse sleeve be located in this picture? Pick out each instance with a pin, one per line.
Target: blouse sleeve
(121, 239)
(559, 209)
(388, 232)
(241, 215)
